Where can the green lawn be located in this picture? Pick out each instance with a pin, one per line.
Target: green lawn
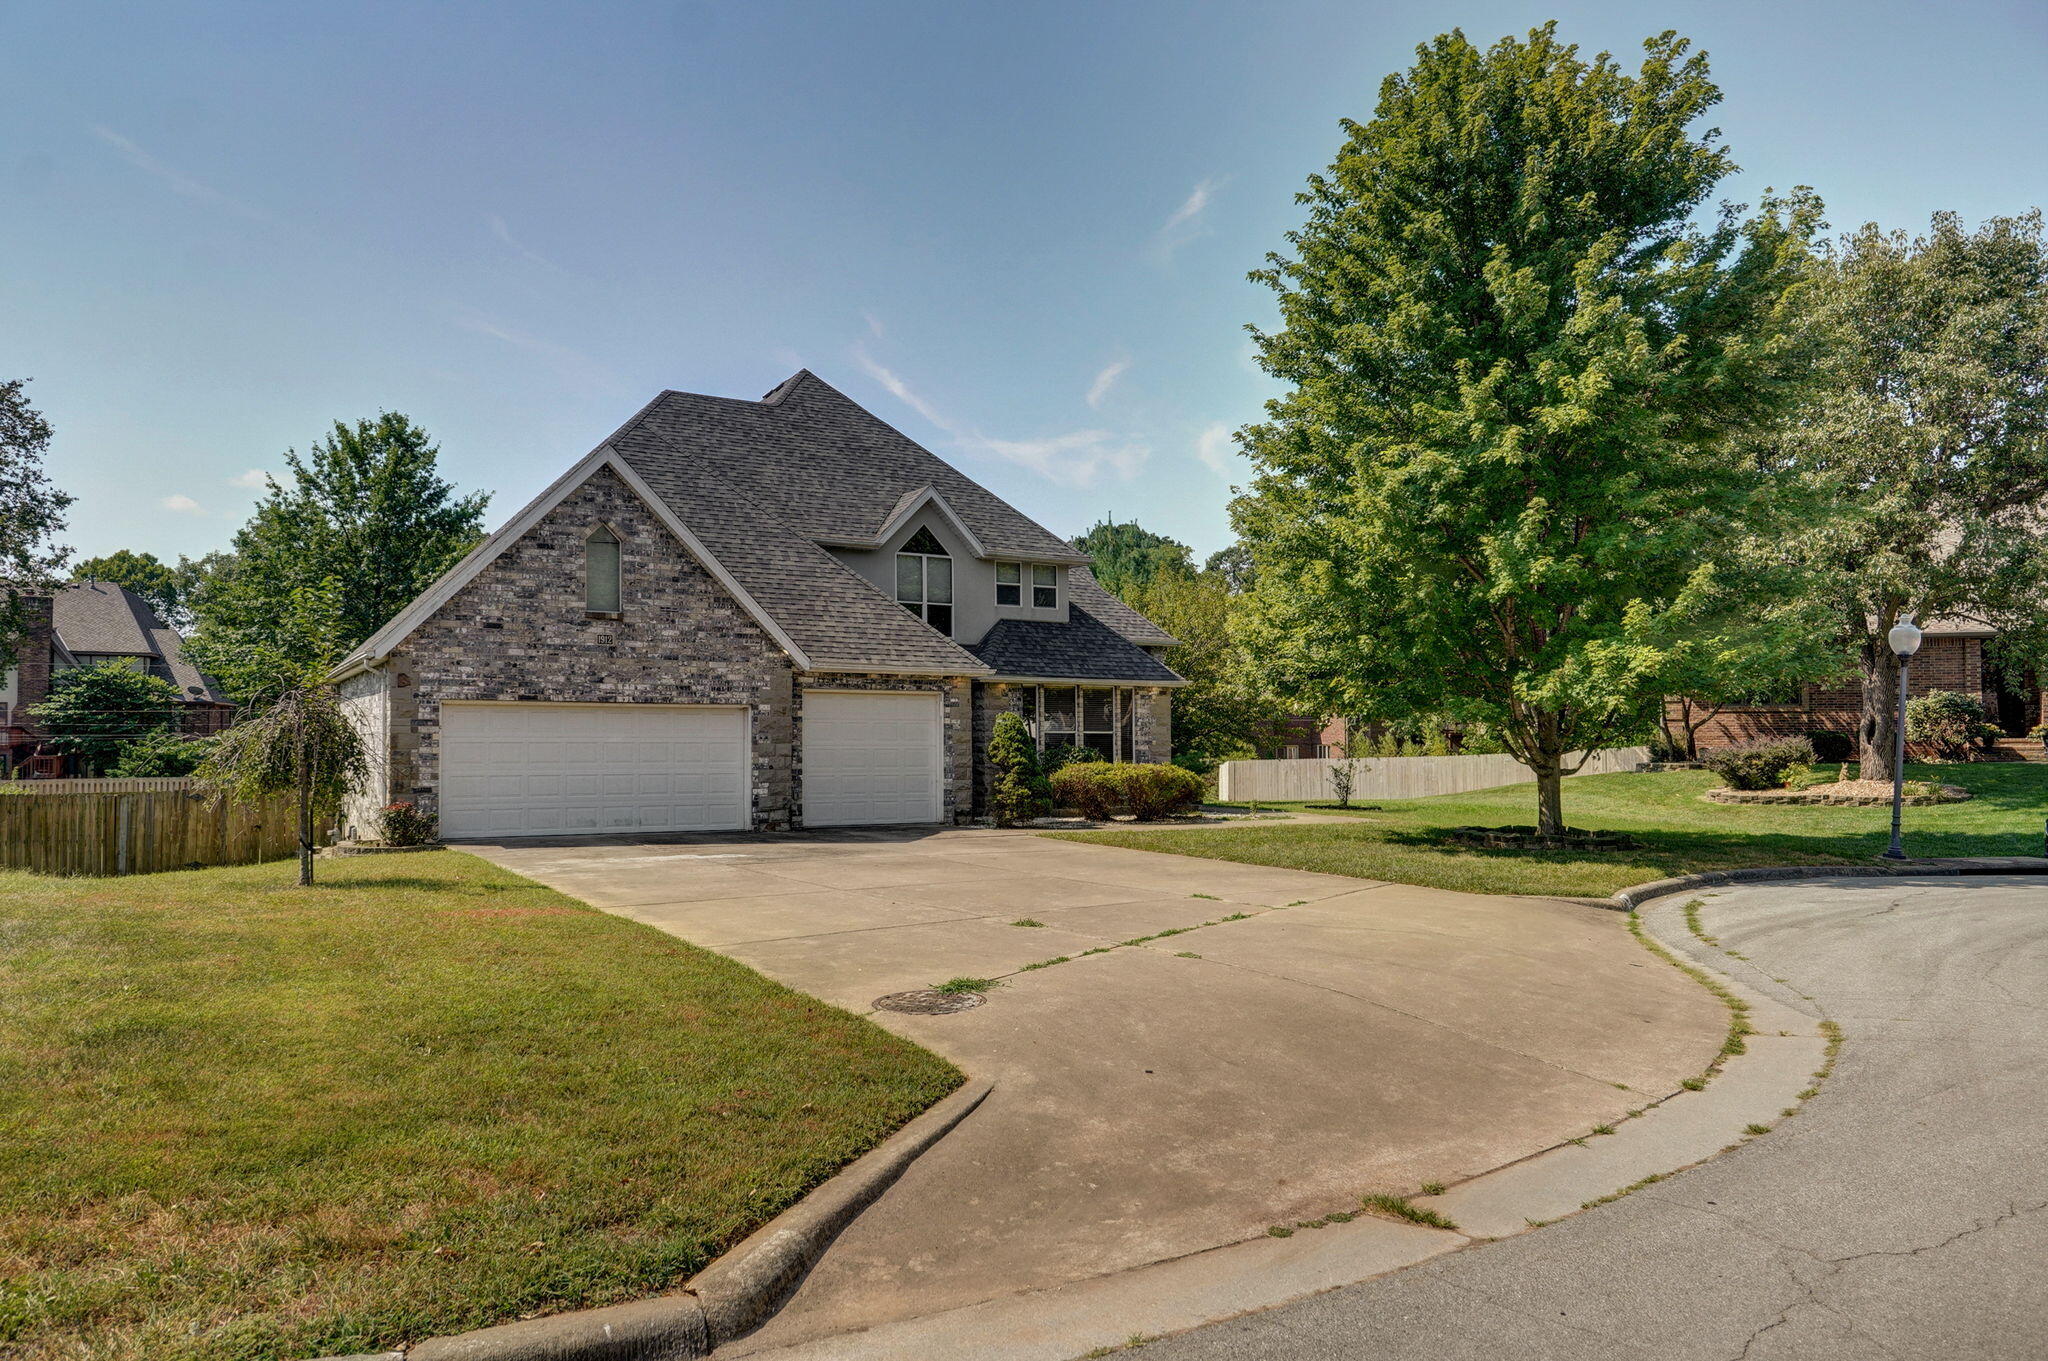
(1681, 832)
(244, 1120)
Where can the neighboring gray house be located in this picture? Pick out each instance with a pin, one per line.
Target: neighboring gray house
(738, 614)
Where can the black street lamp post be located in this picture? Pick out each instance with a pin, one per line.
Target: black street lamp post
(1904, 638)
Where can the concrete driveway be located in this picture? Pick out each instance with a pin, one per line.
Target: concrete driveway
(1903, 1213)
(1319, 1038)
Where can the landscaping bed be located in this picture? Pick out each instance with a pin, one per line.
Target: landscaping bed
(1681, 833)
(1845, 794)
(242, 1120)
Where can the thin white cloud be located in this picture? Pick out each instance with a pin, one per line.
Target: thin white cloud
(1104, 381)
(255, 479)
(573, 365)
(901, 391)
(1215, 448)
(518, 247)
(874, 324)
(177, 181)
(1185, 224)
(1078, 458)
(183, 504)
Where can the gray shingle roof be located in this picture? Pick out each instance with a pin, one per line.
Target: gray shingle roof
(1083, 648)
(101, 618)
(832, 469)
(841, 622)
(1084, 590)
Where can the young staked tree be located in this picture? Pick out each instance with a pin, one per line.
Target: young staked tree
(31, 512)
(303, 745)
(1929, 425)
(364, 519)
(1520, 378)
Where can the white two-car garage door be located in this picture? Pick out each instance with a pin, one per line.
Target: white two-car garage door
(568, 769)
(872, 757)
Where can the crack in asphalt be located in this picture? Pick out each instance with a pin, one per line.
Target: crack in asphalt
(1811, 1291)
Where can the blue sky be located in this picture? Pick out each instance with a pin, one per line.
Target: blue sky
(1019, 232)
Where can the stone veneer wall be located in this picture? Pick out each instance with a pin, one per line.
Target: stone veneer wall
(519, 631)
(958, 721)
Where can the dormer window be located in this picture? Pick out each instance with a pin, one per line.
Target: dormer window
(1045, 587)
(601, 572)
(924, 580)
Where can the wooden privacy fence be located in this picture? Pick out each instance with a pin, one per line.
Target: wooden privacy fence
(50, 828)
(1397, 777)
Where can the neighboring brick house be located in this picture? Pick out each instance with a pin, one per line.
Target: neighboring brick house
(87, 623)
(746, 614)
(1952, 657)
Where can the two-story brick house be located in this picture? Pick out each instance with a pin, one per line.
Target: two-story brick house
(747, 614)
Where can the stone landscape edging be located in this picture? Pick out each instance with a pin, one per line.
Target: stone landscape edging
(1635, 895)
(728, 1298)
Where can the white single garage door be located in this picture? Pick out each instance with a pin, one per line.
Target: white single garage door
(570, 769)
(872, 757)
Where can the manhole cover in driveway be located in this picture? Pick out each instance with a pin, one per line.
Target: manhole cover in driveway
(929, 1002)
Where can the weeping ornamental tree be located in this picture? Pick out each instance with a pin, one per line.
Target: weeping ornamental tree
(1522, 377)
(303, 745)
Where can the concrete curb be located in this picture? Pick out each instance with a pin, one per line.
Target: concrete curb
(1635, 895)
(731, 1296)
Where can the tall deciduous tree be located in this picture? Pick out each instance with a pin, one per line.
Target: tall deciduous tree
(1127, 556)
(1930, 425)
(31, 512)
(1520, 377)
(141, 573)
(364, 522)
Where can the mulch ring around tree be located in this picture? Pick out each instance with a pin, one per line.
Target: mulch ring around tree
(1843, 794)
(1530, 839)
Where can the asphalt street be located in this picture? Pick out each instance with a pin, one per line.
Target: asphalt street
(1903, 1212)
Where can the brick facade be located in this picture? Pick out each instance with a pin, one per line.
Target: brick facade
(1945, 662)
(519, 631)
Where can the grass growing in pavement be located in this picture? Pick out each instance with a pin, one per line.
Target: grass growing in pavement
(1681, 833)
(243, 1120)
(956, 986)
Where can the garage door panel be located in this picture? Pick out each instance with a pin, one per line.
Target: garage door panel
(872, 757)
(555, 769)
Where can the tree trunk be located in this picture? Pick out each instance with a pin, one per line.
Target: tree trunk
(1546, 758)
(305, 821)
(1878, 729)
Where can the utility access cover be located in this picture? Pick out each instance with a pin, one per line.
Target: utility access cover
(929, 1002)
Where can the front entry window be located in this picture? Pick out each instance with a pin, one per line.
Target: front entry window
(1077, 715)
(924, 581)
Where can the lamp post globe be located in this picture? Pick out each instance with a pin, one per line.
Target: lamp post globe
(1904, 638)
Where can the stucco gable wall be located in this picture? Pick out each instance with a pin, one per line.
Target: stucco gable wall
(518, 631)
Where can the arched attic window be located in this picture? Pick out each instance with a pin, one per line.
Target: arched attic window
(924, 580)
(601, 571)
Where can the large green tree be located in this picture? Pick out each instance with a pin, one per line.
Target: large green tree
(141, 573)
(363, 523)
(95, 712)
(1128, 556)
(1522, 380)
(31, 512)
(1930, 427)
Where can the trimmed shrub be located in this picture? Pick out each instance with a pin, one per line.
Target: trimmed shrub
(1954, 725)
(403, 824)
(1101, 790)
(1830, 744)
(1759, 765)
(1019, 791)
(1056, 759)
